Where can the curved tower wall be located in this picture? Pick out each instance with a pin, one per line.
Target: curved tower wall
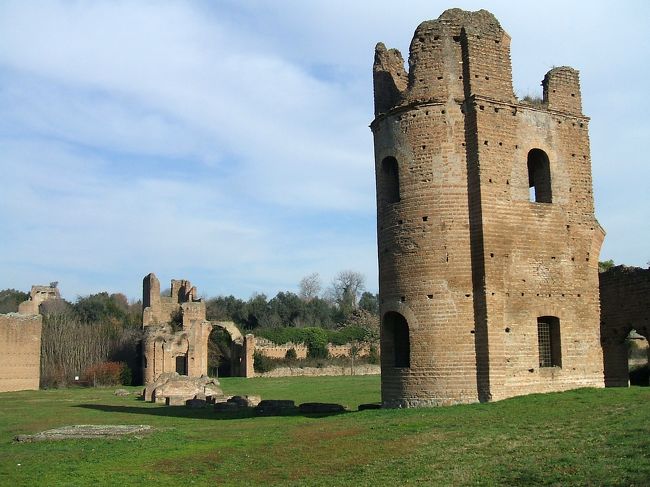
(464, 255)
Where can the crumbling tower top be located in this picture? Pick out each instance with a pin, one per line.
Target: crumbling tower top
(458, 56)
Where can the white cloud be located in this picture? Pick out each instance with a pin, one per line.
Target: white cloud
(230, 140)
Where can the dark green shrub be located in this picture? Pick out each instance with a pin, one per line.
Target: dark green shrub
(316, 340)
(262, 363)
(373, 355)
(291, 355)
(177, 320)
(126, 377)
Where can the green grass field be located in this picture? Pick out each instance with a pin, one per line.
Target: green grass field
(583, 437)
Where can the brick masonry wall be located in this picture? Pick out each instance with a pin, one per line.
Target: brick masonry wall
(625, 305)
(464, 255)
(271, 350)
(20, 352)
(323, 371)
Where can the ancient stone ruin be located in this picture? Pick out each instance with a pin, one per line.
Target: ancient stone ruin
(20, 342)
(37, 296)
(173, 389)
(488, 244)
(625, 312)
(176, 334)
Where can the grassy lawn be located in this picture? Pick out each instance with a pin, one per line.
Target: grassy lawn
(584, 437)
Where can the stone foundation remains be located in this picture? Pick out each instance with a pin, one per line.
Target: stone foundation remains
(487, 240)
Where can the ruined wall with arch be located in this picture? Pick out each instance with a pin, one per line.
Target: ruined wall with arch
(625, 306)
(176, 334)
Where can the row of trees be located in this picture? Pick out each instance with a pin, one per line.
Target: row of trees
(332, 308)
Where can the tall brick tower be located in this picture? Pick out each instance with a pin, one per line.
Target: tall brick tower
(488, 244)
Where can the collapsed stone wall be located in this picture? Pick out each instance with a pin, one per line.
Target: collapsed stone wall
(625, 306)
(37, 296)
(167, 349)
(485, 222)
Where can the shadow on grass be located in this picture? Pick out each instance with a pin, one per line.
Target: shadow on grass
(203, 413)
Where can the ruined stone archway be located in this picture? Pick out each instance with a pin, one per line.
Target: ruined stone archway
(236, 348)
(625, 306)
(177, 334)
(638, 359)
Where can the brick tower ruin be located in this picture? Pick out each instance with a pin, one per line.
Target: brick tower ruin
(488, 244)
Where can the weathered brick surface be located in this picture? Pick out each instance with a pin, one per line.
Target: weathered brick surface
(464, 256)
(20, 352)
(625, 306)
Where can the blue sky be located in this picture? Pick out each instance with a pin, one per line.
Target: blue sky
(227, 142)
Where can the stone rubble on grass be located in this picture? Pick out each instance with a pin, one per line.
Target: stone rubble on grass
(272, 407)
(174, 389)
(86, 431)
(320, 407)
(237, 403)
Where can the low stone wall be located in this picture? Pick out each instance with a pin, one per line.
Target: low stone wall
(271, 350)
(344, 350)
(321, 371)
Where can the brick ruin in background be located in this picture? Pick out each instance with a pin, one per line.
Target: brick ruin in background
(184, 349)
(37, 296)
(20, 342)
(487, 240)
(625, 306)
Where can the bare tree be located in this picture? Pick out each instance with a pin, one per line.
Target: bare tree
(310, 286)
(346, 288)
(68, 346)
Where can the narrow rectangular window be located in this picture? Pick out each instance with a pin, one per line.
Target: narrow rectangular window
(548, 338)
(389, 180)
(181, 364)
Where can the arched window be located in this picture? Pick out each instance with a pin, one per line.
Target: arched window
(396, 343)
(389, 180)
(539, 177)
(548, 337)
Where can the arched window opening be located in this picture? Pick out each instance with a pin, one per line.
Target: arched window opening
(550, 345)
(539, 177)
(396, 339)
(220, 353)
(389, 180)
(637, 358)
